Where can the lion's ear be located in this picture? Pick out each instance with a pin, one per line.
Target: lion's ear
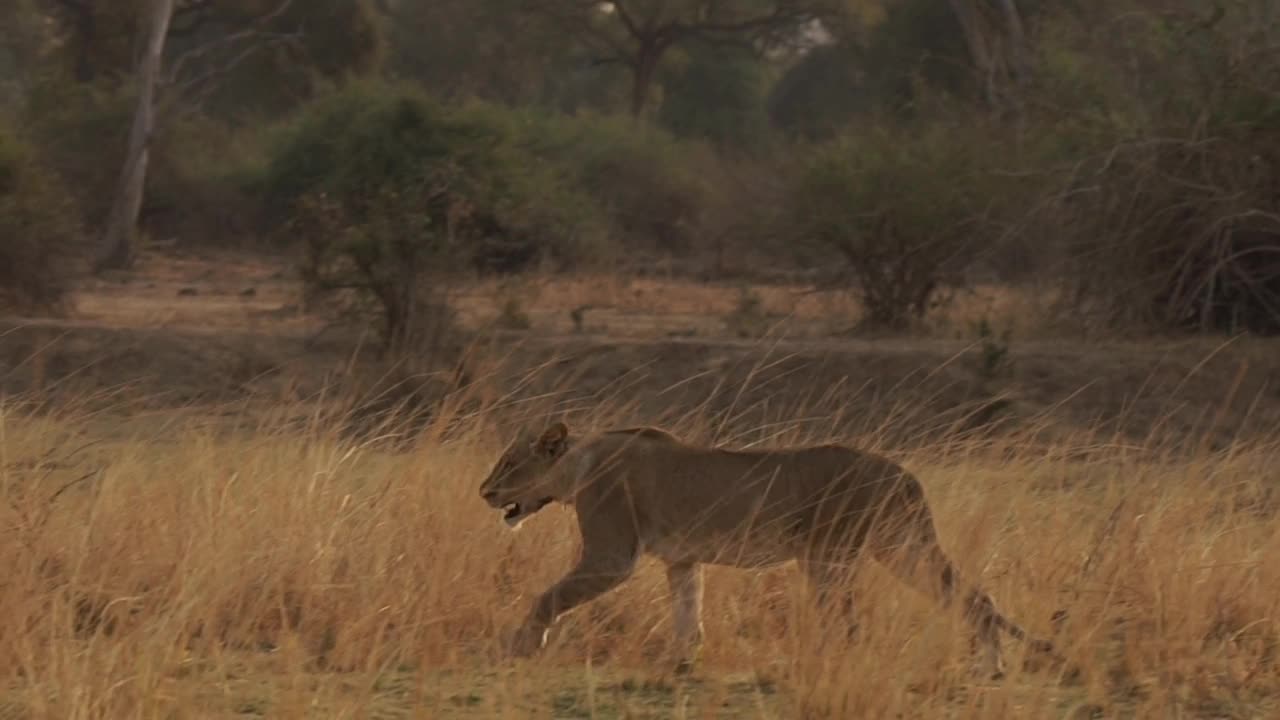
(554, 439)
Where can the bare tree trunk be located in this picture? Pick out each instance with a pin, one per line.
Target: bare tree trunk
(642, 72)
(1019, 53)
(994, 33)
(118, 235)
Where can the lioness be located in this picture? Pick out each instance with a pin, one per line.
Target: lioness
(641, 490)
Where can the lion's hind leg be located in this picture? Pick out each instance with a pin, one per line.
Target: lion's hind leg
(922, 564)
(830, 577)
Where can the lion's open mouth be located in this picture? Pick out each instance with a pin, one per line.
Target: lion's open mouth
(514, 513)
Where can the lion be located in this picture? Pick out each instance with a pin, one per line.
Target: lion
(643, 490)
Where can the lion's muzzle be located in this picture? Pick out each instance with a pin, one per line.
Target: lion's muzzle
(514, 513)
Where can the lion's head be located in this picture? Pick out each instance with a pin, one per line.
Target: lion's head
(520, 483)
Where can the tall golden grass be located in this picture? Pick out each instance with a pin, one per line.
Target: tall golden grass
(276, 567)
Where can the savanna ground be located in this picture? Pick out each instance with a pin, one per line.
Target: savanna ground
(192, 529)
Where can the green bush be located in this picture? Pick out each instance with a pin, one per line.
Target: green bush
(195, 186)
(717, 94)
(650, 186)
(80, 131)
(903, 211)
(393, 193)
(199, 182)
(37, 225)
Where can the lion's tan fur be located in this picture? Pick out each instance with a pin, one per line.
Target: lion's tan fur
(642, 490)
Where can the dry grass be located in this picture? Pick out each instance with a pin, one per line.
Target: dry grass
(275, 569)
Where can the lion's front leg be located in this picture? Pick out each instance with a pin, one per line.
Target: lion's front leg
(596, 573)
(685, 582)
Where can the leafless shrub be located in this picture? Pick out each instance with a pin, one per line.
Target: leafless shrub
(1178, 233)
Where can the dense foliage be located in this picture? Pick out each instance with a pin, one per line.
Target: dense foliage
(36, 229)
(893, 146)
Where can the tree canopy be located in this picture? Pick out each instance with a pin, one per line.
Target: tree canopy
(637, 34)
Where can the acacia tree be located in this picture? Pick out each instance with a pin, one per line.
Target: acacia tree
(638, 33)
(477, 48)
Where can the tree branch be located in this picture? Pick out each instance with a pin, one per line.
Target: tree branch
(189, 18)
(780, 16)
(78, 7)
(625, 16)
(227, 67)
(252, 31)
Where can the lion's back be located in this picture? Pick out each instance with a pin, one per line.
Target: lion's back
(704, 494)
(646, 432)
(657, 460)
